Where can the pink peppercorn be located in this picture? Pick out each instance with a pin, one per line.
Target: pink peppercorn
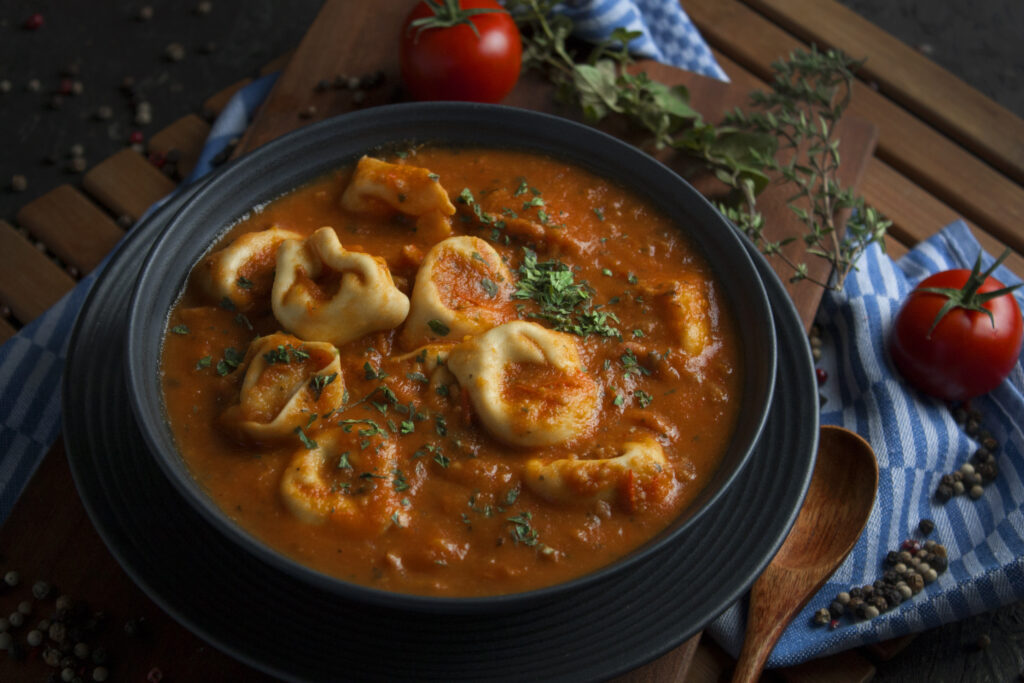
(135, 138)
(821, 375)
(34, 21)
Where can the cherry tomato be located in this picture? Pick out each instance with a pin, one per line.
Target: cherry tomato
(958, 334)
(452, 50)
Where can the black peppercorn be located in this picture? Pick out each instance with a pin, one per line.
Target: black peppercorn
(836, 609)
(856, 593)
(926, 526)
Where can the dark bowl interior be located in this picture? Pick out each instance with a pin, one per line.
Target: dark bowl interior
(301, 156)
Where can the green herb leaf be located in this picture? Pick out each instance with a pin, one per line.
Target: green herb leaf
(180, 329)
(306, 441)
(438, 327)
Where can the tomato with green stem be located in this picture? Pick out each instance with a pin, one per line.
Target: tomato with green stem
(958, 334)
(460, 50)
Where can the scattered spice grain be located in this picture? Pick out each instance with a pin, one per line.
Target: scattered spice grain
(19, 183)
(34, 22)
(174, 52)
(145, 13)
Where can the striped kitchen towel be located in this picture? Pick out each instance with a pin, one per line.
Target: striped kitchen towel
(916, 441)
(31, 362)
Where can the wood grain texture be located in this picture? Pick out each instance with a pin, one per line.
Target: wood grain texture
(29, 281)
(916, 213)
(65, 550)
(927, 157)
(187, 136)
(71, 226)
(127, 184)
(906, 76)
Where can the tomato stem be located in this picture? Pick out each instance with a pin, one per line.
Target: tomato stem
(447, 15)
(967, 297)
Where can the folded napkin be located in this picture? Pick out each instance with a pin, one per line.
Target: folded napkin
(916, 441)
(31, 363)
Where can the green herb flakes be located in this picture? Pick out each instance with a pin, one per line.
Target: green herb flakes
(244, 282)
(343, 462)
(180, 329)
(306, 441)
(438, 327)
(204, 362)
(643, 398)
(318, 383)
(599, 212)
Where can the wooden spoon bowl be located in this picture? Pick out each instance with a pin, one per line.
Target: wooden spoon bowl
(838, 504)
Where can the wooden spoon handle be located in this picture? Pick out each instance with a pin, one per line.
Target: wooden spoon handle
(767, 618)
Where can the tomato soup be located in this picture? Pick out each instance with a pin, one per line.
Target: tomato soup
(453, 372)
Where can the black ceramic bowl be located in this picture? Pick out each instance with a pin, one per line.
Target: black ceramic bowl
(296, 158)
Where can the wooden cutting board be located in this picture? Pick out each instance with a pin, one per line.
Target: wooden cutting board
(356, 39)
(49, 535)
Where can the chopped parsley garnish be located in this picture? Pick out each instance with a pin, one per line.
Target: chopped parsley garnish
(633, 279)
(440, 458)
(434, 177)
(399, 480)
(522, 531)
(284, 354)
(438, 327)
(372, 428)
(466, 197)
(441, 425)
(306, 441)
(417, 377)
(204, 362)
(318, 383)
(243, 320)
(599, 212)
(489, 287)
(227, 304)
(637, 334)
(513, 495)
(643, 397)
(619, 399)
(442, 390)
(372, 372)
(563, 302)
(606, 272)
(523, 187)
(180, 329)
(244, 282)
(631, 365)
(535, 201)
(343, 463)
(232, 359)
(407, 427)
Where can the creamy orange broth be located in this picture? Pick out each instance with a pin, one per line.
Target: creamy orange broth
(467, 523)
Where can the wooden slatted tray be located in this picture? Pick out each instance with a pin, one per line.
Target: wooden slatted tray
(934, 163)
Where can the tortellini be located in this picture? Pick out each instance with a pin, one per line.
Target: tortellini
(378, 187)
(336, 481)
(243, 272)
(286, 381)
(527, 384)
(324, 292)
(462, 288)
(640, 476)
(688, 313)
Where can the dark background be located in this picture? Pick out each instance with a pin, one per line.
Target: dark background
(981, 40)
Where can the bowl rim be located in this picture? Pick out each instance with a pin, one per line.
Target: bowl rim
(155, 429)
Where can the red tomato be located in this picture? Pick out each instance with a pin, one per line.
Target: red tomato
(443, 58)
(967, 353)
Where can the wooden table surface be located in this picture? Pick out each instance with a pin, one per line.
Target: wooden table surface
(928, 149)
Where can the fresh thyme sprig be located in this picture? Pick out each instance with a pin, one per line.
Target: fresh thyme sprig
(799, 115)
(810, 92)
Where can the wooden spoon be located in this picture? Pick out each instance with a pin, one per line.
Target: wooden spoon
(838, 503)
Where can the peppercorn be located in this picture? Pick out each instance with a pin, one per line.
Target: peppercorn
(894, 596)
(879, 603)
(822, 617)
(972, 427)
(929, 575)
(890, 577)
(939, 563)
(977, 491)
(904, 590)
(958, 488)
(843, 598)
(19, 183)
(5, 85)
(57, 631)
(145, 13)
(67, 674)
(100, 673)
(926, 527)
(990, 443)
(892, 557)
(77, 165)
(854, 605)
(916, 583)
(34, 638)
(33, 85)
(16, 620)
(983, 641)
(51, 657)
(203, 8)
(836, 609)
(34, 21)
(174, 52)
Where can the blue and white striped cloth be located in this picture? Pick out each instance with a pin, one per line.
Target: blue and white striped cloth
(916, 441)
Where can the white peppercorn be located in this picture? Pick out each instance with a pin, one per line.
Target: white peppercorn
(16, 619)
(12, 578)
(25, 607)
(977, 491)
(34, 638)
(40, 590)
(81, 650)
(100, 673)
